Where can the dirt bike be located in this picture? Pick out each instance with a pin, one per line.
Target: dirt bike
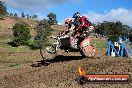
(73, 44)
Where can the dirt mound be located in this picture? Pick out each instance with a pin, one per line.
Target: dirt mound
(7, 23)
(61, 72)
(57, 29)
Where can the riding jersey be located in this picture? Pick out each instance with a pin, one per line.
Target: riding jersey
(83, 23)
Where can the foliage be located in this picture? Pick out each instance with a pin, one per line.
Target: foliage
(43, 31)
(34, 16)
(112, 30)
(21, 34)
(99, 43)
(52, 18)
(15, 15)
(13, 65)
(23, 15)
(27, 16)
(113, 38)
(3, 9)
(10, 14)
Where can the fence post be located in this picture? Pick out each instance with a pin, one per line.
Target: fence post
(109, 48)
(122, 49)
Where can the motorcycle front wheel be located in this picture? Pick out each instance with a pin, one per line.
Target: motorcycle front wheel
(88, 51)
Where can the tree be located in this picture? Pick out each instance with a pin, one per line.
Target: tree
(10, 14)
(30, 16)
(52, 18)
(112, 30)
(15, 15)
(34, 16)
(23, 15)
(127, 30)
(43, 30)
(3, 9)
(27, 16)
(21, 34)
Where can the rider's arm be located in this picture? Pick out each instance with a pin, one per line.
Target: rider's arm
(80, 27)
(82, 20)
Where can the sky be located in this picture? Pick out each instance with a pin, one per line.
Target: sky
(95, 10)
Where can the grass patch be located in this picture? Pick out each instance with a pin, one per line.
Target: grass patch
(5, 37)
(99, 43)
(13, 65)
(6, 66)
(7, 47)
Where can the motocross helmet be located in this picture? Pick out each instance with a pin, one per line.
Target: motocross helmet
(67, 20)
(76, 15)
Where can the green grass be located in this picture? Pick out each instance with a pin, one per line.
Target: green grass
(13, 65)
(5, 37)
(6, 66)
(9, 48)
(99, 43)
(4, 46)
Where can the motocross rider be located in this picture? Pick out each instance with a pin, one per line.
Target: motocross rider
(75, 28)
(68, 32)
(82, 24)
(69, 26)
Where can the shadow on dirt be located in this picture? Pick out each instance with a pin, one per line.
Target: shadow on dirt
(57, 59)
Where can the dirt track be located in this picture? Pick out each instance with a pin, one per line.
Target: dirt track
(61, 72)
